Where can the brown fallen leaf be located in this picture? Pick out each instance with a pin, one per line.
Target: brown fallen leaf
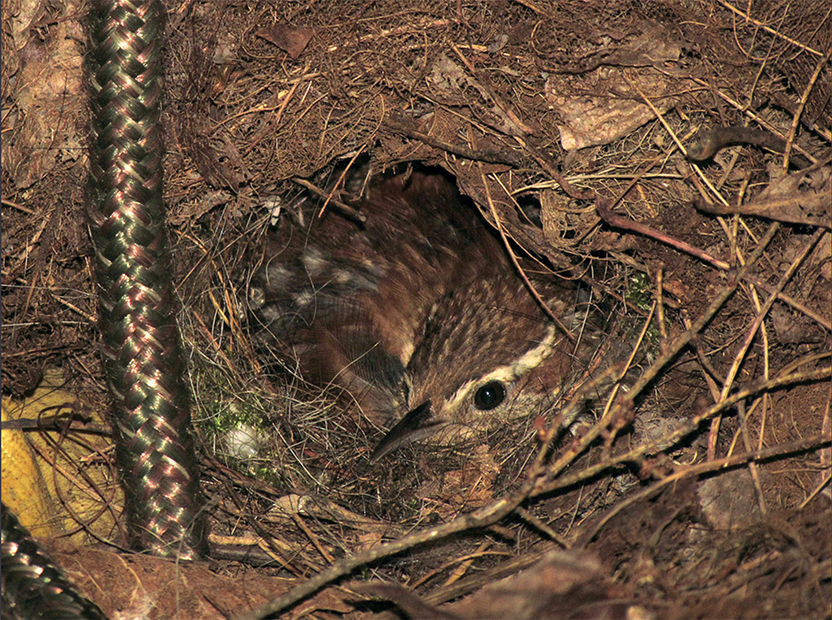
(290, 39)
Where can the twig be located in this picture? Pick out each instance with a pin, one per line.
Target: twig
(491, 157)
(792, 447)
(768, 29)
(822, 63)
(687, 427)
(343, 207)
(620, 222)
(519, 126)
(782, 209)
(625, 404)
(752, 331)
(514, 260)
(480, 518)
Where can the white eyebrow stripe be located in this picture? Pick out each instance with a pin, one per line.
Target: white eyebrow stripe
(511, 372)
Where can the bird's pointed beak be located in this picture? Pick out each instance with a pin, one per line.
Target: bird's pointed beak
(417, 424)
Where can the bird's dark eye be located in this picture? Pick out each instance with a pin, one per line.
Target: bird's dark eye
(490, 395)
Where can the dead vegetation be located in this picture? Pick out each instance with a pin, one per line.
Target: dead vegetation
(702, 492)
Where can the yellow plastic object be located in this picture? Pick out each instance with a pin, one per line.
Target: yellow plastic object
(70, 490)
(23, 487)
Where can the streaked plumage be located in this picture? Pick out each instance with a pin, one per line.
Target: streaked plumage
(417, 311)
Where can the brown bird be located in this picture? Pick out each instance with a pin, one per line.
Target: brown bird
(417, 311)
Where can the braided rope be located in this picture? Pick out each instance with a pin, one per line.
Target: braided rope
(142, 355)
(33, 586)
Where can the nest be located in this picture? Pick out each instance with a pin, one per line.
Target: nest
(567, 124)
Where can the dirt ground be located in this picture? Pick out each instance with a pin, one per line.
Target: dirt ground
(592, 134)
